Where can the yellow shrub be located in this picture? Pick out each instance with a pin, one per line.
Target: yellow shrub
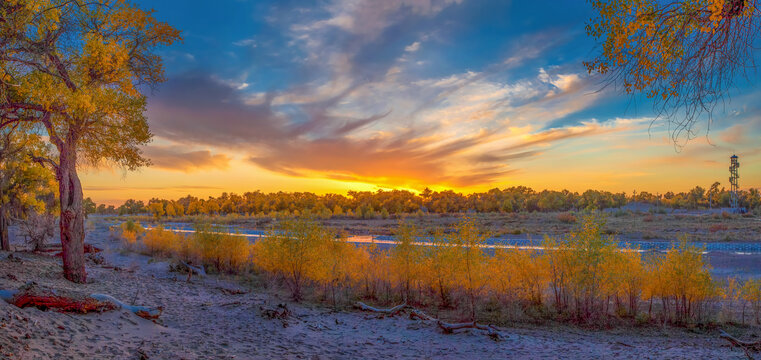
(751, 293)
(406, 259)
(225, 252)
(130, 231)
(471, 274)
(439, 267)
(294, 253)
(163, 242)
(682, 281)
(519, 275)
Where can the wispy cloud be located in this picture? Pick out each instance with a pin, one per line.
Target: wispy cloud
(179, 159)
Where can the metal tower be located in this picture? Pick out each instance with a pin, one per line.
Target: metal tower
(733, 196)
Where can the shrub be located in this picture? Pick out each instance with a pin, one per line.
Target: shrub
(406, 259)
(163, 242)
(717, 227)
(471, 273)
(439, 267)
(226, 252)
(682, 281)
(37, 228)
(293, 253)
(567, 218)
(751, 294)
(130, 231)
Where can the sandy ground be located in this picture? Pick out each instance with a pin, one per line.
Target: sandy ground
(202, 322)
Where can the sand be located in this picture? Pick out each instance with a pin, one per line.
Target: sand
(202, 322)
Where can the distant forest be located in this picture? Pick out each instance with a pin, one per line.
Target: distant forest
(367, 204)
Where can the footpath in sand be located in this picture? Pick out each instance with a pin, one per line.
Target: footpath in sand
(200, 321)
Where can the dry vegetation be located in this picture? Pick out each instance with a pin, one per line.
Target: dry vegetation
(584, 279)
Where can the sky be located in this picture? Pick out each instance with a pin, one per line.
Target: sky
(338, 95)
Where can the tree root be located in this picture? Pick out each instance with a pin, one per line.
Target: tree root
(447, 328)
(746, 346)
(89, 249)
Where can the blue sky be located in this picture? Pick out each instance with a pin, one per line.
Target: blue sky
(357, 94)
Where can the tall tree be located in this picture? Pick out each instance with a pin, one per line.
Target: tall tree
(21, 180)
(76, 69)
(684, 54)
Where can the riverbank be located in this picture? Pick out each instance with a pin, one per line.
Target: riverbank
(203, 321)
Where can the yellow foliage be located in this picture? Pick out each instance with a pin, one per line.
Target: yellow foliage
(293, 252)
(586, 276)
(406, 259)
(751, 293)
(682, 281)
(130, 231)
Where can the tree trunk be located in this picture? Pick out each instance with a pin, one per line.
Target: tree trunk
(5, 243)
(72, 216)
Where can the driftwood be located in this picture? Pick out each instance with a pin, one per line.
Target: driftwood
(746, 346)
(141, 311)
(390, 312)
(447, 328)
(198, 270)
(280, 312)
(228, 291)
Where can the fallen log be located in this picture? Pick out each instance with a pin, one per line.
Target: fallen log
(198, 270)
(390, 312)
(417, 314)
(31, 295)
(447, 328)
(228, 291)
(746, 346)
(280, 312)
(62, 304)
(450, 328)
(141, 311)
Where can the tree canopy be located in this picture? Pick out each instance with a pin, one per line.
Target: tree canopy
(76, 69)
(684, 55)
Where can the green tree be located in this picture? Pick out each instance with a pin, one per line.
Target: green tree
(75, 68)
(89, 206)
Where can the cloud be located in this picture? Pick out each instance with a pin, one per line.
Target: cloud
(177, 159)
(735, 134)
(138, 188)
(358, 108)
(413, 47)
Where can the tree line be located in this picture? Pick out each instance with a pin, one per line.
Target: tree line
(383, 203)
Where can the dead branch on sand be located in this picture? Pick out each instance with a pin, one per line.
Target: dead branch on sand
(141, 311)
(746, 346)
(228, 291)
(447, 328)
